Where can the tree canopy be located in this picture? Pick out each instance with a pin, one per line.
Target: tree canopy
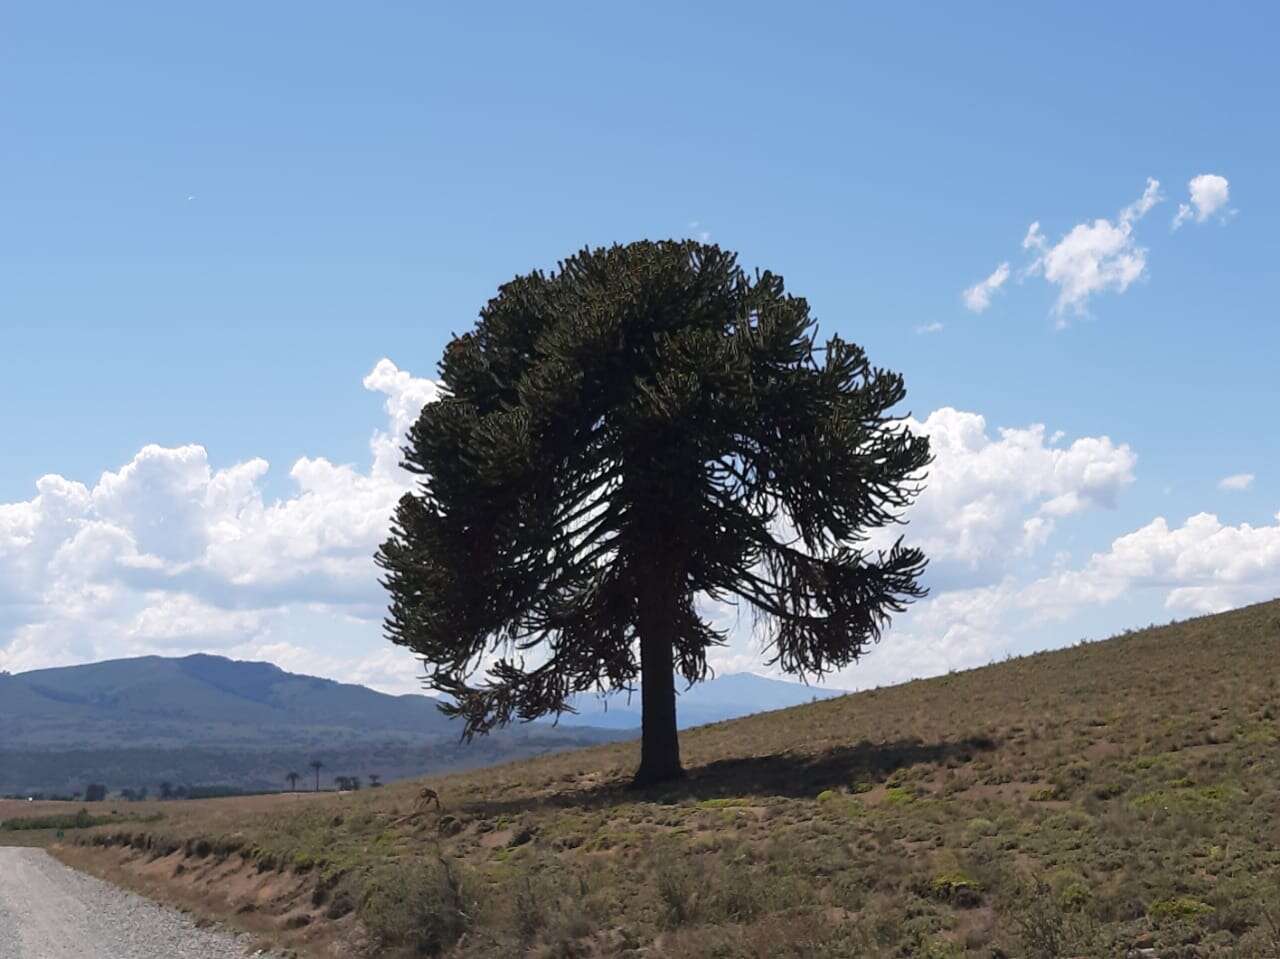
(645, 430)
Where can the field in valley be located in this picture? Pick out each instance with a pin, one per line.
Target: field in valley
(44, 822)
(1096, 801)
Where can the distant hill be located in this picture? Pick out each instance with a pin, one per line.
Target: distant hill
(730, 696)
(205, 700)
(203, 720)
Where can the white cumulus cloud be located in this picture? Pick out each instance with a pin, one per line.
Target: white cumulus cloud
(1100, 255)
(169, 554)
(1237, 482)
(993, 500)
(1209, 193)
(978, 297)
(992, 495)
(1201, 566)
(1092, 257)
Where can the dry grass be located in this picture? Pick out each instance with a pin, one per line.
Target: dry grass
(1112, 796)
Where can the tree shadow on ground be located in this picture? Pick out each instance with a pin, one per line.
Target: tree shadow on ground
(794, 775)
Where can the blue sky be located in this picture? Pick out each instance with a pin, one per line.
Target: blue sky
(216, 223)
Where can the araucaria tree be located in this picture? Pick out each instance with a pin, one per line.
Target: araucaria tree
(643, 432)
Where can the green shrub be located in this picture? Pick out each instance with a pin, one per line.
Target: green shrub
(1046, 931)
(729, 803)
(425, 906)
(678, 886)
(1075, 897)
(899, 795)
(957, 889)
(1181, 907)
(1106, 791)
(1192, 801)
(529, 911)
(740, 895)
(979, 827)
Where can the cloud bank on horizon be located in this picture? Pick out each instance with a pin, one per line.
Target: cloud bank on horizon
(1100, 256)
(169, 554)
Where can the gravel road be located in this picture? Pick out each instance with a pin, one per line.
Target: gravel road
(50, 911)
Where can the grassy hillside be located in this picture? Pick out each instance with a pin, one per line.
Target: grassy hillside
(1112, 797)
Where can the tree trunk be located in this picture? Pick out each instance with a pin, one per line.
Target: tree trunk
(659, 741)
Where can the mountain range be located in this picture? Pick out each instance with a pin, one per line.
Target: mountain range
(208, 720)
(205, 700)
(725, 697)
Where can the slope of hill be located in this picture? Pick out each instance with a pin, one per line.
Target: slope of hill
(1114, 799)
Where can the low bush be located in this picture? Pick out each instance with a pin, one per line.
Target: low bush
(424, 906)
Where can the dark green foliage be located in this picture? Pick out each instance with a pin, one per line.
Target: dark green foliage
(643, 428)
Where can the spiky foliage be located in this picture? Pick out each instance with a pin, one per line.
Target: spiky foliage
(645, 428)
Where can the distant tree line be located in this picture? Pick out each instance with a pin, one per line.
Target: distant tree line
(51, 770)
(342, 783)
(98, 792)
